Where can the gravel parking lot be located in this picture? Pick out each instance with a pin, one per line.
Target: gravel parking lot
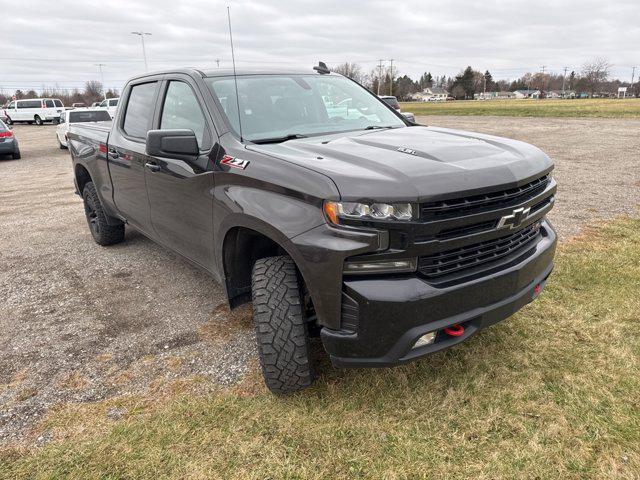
(80, 322)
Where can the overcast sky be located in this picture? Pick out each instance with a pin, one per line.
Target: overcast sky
(49, 42)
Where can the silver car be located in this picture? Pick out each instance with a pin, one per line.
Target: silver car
(8, 142)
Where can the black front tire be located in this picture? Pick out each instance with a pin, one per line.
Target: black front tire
(103, 233)
(281, 329)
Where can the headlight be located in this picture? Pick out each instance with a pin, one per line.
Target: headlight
(335, 211)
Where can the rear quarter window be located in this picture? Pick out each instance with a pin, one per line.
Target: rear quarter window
(30, 104)
(137, 118)
(58, 103)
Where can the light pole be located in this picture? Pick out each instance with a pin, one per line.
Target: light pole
(104, 90)
(141, 34)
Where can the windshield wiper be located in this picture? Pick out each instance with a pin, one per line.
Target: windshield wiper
(376, 127)
(291, 136)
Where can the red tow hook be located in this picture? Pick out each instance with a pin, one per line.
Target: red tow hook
(454, 330)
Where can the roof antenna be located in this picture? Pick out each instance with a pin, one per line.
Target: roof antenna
(235, 77)
(322, 68)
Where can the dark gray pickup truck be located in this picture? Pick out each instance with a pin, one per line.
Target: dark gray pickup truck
(339, 218)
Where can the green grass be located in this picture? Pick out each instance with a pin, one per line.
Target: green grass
(551, 393)
(607, 108)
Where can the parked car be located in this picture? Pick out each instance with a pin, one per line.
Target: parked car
(35, 110)
(393, 103)
(79, 105)
(8, 142)
(85, 115)
(386, 239)
(111, 105)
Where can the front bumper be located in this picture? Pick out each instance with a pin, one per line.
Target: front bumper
(394, 312)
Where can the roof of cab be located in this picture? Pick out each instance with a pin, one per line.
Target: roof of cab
(224, 72)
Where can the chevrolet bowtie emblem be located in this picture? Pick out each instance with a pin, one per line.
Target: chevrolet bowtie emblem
(514, 220)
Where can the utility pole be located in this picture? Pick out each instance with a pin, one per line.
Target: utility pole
(217, 60)
(141, 34)
(104, 89)
(633, 76)
(564, 77)
(542, 70)
(379, 75)
(391, 79)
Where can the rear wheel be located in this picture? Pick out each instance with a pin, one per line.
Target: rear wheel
(281, 329)
(103, 233)
(38, 120)
(16, 154)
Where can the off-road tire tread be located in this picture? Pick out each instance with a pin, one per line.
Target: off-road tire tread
(108, 234)
(281, 330)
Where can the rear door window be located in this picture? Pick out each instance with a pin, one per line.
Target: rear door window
(137, 118)
(30, 104)
(58, 103)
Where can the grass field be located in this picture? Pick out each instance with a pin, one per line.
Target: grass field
(609, 108)
(550, 393)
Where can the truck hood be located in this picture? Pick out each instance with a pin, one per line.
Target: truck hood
(414, 163)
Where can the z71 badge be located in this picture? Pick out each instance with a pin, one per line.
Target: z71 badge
(234, 162)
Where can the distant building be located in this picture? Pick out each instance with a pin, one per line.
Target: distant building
(432, 94)
(494, 95)
(527, 93)
(560, 94)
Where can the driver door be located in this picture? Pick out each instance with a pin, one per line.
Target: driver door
(180, 191)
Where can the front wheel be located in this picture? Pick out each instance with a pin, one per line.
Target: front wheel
(103, 233)
(38, 120)
(8, 121)
(281, 329)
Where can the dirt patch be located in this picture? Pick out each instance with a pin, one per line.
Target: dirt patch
(80, 323)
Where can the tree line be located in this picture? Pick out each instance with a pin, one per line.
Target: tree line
(92, 92)
(594, 78)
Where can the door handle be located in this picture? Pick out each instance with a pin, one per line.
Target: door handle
(154, 167)
(113, 153)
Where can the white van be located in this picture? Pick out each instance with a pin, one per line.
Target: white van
(35, 110)
(110, 105)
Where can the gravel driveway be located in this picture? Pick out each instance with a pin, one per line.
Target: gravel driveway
(80, 322)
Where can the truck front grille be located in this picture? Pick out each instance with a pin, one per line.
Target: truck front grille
(503, 198)
(449, 261)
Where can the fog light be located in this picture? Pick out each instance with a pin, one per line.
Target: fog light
(426, 339)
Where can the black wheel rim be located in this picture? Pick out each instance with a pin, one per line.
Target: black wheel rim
(92, 217)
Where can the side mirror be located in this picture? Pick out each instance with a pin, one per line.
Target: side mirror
(181, 144)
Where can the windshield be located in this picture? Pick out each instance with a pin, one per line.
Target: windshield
(95, 116)
(277, 106)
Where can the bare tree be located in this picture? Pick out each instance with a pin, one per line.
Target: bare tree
(595, 73)
(351, 70)
(92, 91)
